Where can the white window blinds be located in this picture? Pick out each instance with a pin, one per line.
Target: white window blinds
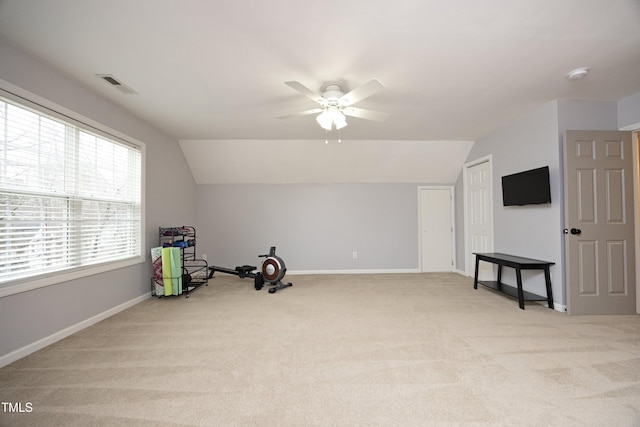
(70, 197)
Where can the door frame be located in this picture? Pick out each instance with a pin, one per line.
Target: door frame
(635, 150)
(451, 189)
(635, 147)
(468, 262)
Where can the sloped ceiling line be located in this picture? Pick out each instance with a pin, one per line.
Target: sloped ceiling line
(313, 161)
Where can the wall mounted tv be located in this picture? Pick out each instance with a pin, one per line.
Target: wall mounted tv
(530, 187)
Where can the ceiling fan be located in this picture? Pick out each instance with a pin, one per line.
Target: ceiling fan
(335, 104)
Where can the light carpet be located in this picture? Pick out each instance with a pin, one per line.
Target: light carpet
(335, 350)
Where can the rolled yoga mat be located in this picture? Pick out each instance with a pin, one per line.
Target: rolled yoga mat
(156, 262)
(171, 271)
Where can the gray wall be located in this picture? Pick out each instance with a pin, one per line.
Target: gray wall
(314, 226)
(629, 112)
(584, 115)
(532, 141)
(170, 196)
(529, 231)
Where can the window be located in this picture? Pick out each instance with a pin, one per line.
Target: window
(70, 195)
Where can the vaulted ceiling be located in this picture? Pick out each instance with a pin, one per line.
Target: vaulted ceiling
(215, 70)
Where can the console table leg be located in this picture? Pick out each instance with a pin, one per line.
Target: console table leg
(520, 293)
(475, 279)
(547, 280)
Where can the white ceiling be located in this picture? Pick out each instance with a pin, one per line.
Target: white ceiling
(453, 70)
(211, 74)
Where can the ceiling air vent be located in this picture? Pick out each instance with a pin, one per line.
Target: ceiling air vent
(111, 80)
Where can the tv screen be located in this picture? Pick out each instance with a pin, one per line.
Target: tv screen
(526, 188)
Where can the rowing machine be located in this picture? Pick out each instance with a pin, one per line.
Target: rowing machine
(273, 271)
(242, 272)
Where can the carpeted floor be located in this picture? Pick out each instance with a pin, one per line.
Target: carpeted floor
(335, 350)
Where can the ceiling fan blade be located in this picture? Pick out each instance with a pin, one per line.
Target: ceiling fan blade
(302, 113)
(365, 114)
(305, 91)
(367, 89)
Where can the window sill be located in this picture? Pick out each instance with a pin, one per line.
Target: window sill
(27, 284)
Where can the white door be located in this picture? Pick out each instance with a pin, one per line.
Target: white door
(599, 217)
(479, 215)
(436, 228)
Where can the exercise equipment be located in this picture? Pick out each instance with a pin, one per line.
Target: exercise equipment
(272, 271)
(242, 272)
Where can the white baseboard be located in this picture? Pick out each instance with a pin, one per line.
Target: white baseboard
(389, 271)
(44, 342)
(559, 307)
(384, 271)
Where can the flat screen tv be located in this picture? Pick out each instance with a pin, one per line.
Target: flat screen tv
(526, 188)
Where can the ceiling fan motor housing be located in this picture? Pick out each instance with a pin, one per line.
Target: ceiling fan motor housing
(332, 94)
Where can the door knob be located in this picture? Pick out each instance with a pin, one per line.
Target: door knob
(576, 231)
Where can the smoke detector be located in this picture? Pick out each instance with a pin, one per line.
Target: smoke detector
(578, 73)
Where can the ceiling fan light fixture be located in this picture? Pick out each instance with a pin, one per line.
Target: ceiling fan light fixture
(335, 105)
(331, 117)
(339, 120)
(325, 120)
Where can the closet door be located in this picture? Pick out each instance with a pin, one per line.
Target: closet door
(436, 225)
(479, 216)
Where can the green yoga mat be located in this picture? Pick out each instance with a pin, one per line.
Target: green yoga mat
(171, 271)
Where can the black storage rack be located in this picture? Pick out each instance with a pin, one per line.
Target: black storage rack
(195, 271)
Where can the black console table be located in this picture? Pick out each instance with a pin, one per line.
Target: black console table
(518, 263)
